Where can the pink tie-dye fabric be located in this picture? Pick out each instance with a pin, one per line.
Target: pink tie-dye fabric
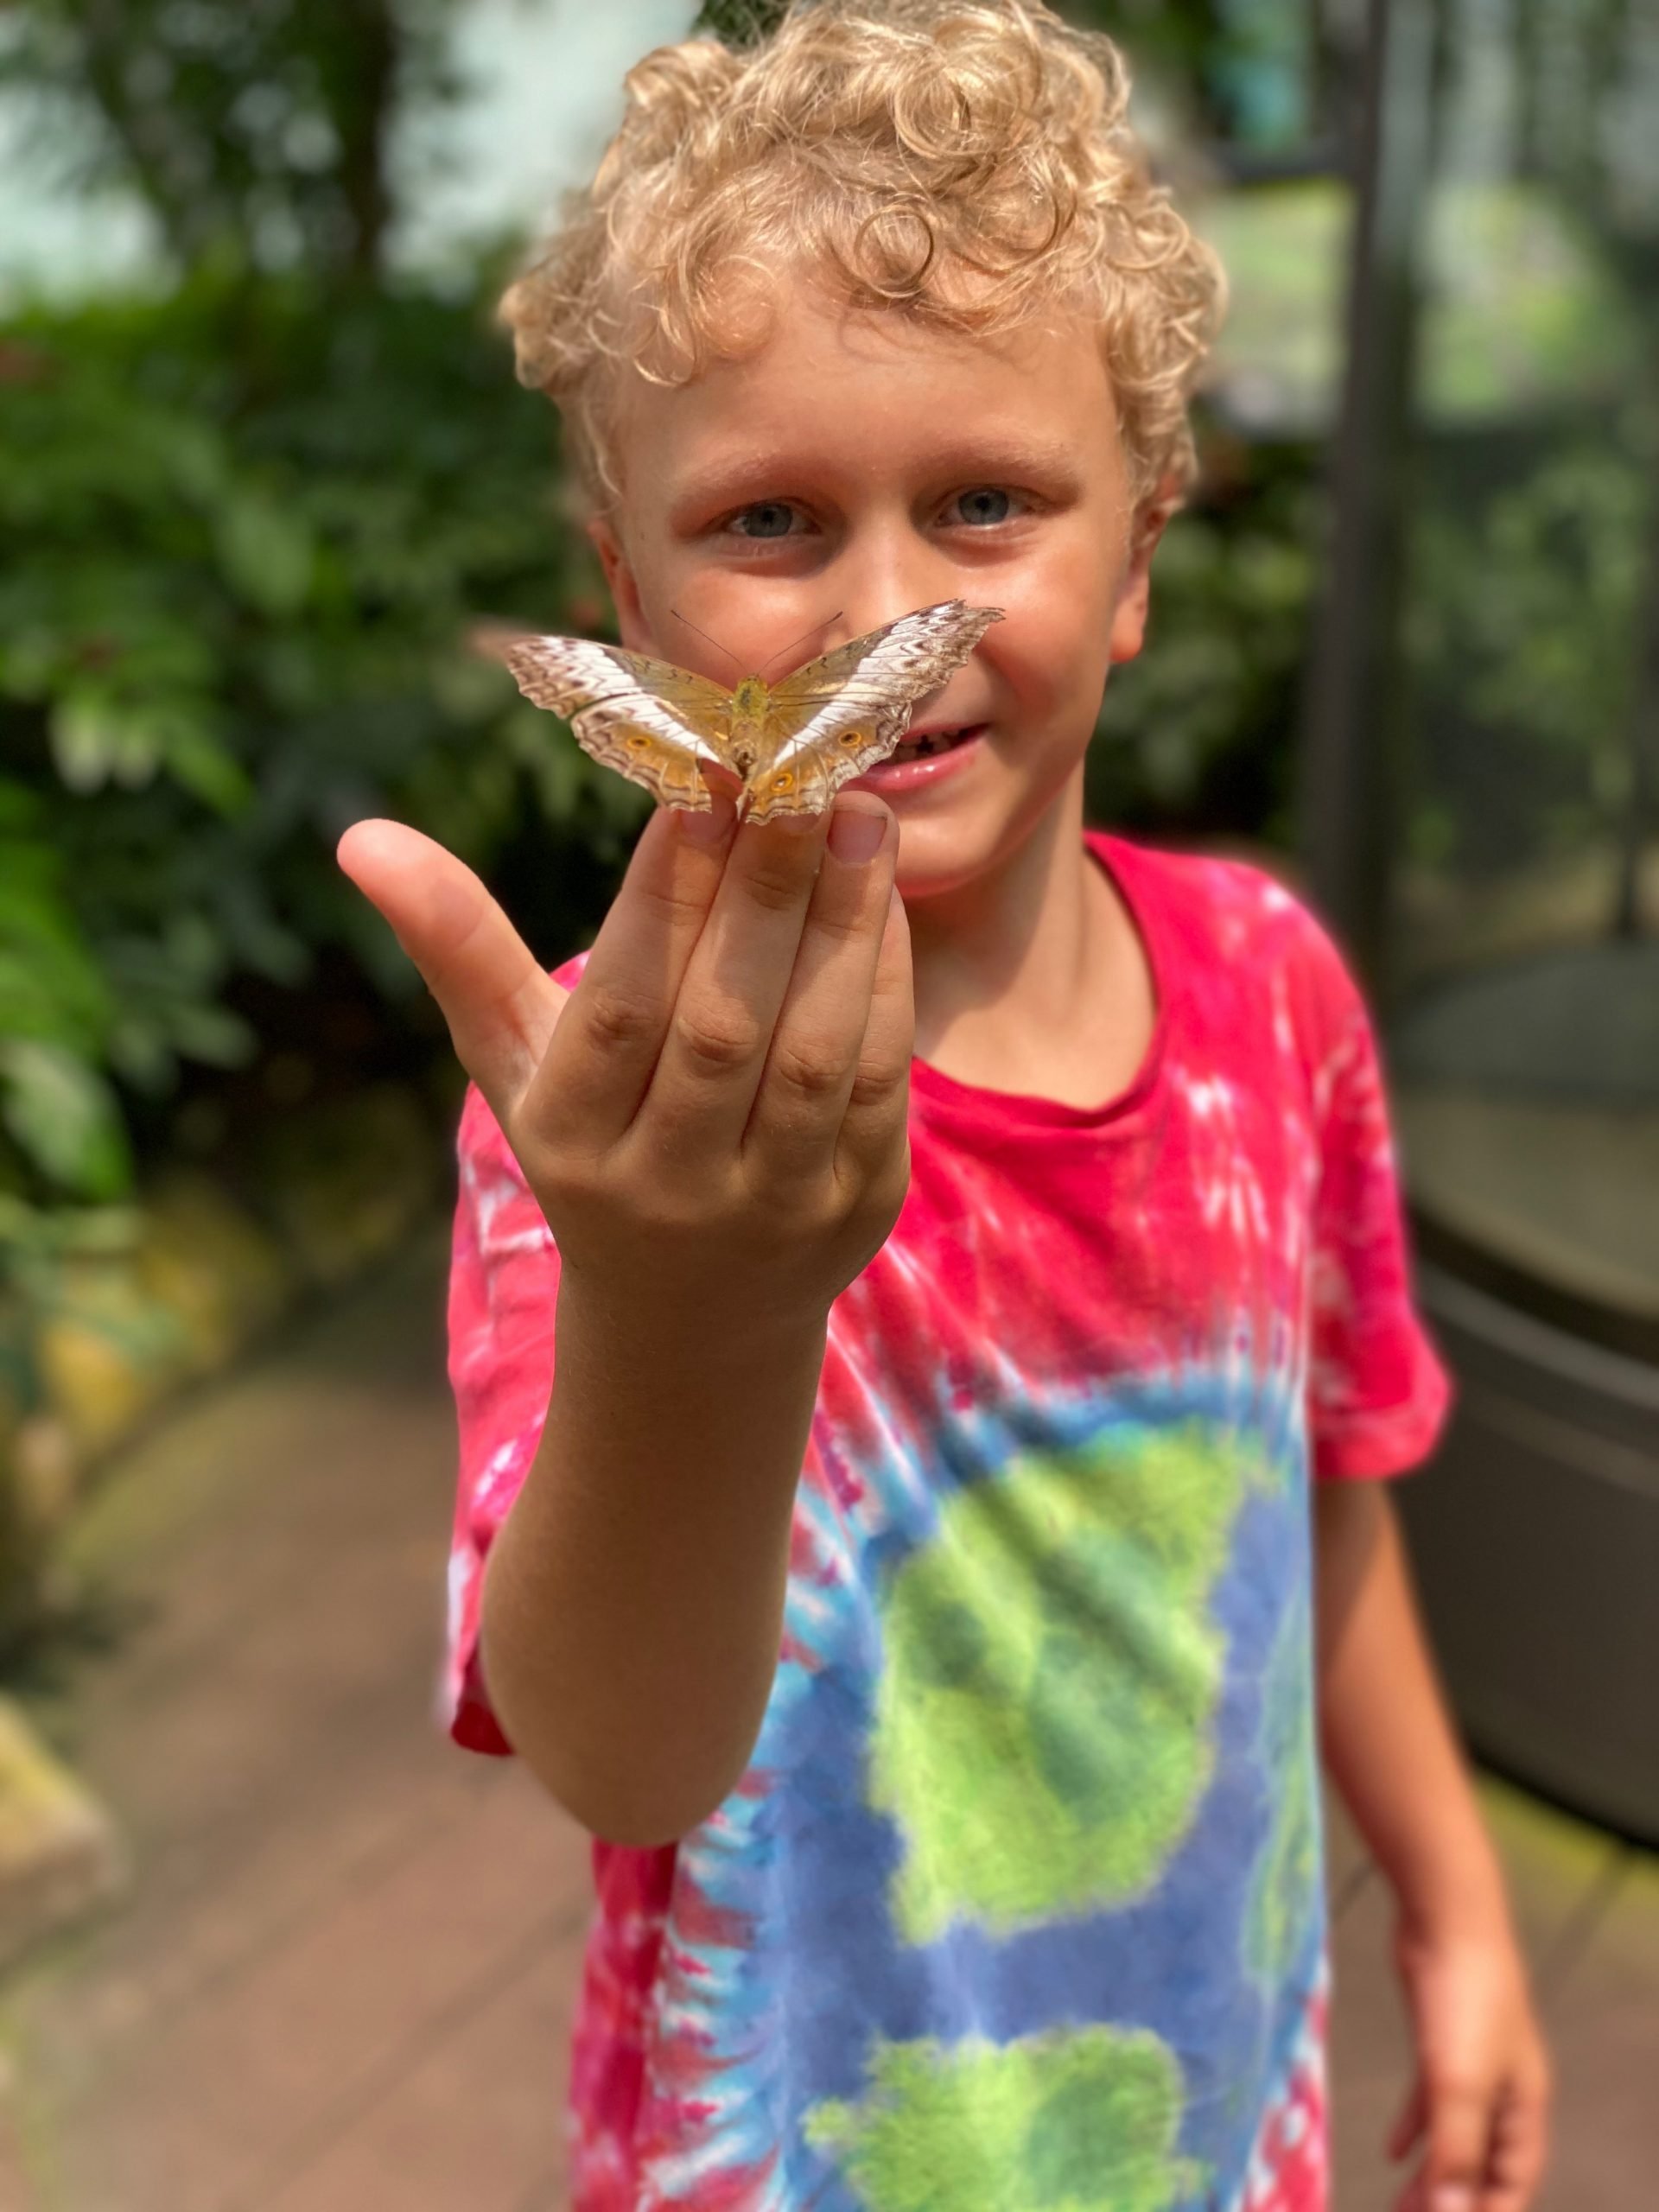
(1022, 1890)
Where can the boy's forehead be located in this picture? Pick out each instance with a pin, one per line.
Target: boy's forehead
(856, 389)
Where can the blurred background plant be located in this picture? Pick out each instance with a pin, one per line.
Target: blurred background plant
(243, 522)
(249, 504)
(251, 494)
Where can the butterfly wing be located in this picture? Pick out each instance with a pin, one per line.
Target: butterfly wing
(842, 713)
(651, 721)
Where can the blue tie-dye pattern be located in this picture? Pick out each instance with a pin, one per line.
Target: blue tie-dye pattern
(788, 2014)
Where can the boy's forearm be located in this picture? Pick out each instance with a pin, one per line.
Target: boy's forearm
(633, 1598)
(1388, 1742)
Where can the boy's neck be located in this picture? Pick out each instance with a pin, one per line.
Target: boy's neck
(1034, 979)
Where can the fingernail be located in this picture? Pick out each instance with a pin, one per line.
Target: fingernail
(856, 833)
(705, 829)
(1452, 2196)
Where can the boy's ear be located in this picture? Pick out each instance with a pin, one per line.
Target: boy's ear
(1134, 598)
(634, 630)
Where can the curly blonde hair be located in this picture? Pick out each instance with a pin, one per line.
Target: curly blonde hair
(968, 162)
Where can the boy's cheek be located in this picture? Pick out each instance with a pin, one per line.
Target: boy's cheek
(1054, 681)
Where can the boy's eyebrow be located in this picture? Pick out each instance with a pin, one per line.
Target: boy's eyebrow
(983, 459)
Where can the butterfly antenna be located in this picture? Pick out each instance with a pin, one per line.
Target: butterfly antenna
(805, 635)
(715, 642)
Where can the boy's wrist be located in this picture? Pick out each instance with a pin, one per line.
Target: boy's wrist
(1454, 1893)
(715, 1332)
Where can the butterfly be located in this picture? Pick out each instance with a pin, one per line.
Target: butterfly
(792, 744)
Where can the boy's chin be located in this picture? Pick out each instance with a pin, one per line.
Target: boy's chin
(952, 838)
(945, 851)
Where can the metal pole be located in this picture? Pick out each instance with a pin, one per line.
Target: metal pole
(1347, 826)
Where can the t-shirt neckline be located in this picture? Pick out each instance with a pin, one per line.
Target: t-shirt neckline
(975, 1103)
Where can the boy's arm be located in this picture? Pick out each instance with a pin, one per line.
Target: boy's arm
(1480, 2100)
(713, 1124)
(633, 1598)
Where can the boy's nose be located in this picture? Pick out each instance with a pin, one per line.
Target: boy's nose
(882, 585)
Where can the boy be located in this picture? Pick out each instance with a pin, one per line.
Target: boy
(908, 1570)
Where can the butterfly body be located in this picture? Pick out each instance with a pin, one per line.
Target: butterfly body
(792, 744)
(746, 739)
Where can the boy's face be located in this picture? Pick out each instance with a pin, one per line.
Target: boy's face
(856, 467)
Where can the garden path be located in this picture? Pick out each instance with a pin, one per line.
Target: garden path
(340, 1980)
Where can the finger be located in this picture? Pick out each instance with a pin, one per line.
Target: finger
(600, 1066)
(500, 1004)
(813, 1054)
(877, 1103)
(1409, 2124)
(1520, 2145)
(1458, 2131)
(708, 1069)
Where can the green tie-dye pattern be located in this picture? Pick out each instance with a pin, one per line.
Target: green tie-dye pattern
(1285, 1887)
(1081, 2120)
(1043, 1728)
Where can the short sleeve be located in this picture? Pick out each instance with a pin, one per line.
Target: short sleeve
(1378, 1391)
(503, 1277)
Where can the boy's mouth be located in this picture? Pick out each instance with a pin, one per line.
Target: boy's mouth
(932, 756)
(934, 740)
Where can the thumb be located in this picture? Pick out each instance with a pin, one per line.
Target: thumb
(500, 1004)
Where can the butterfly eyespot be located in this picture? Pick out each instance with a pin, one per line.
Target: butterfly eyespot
(852, 737)
(785, 782)
(639, 744)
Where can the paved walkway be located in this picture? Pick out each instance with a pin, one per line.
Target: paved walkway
(342, 1978)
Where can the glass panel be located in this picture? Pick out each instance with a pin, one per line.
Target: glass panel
(1522, 960)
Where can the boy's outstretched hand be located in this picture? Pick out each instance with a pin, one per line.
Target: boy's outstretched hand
(720, 1105)
(1477, 2113)
(714, 1124)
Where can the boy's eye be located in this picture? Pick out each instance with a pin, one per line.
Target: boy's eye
(766, 518)
(984, 504)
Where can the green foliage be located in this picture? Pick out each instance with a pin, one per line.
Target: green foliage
(1182, 36)
(1523, 636)
(1198, 736)
(243, 534)
(256, 134)
(738, 23)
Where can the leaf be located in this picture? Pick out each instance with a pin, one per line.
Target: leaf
(213, 1034)
(89, 736)
(206, 768)
(51, 985)
(267, 551)
(66, 1117)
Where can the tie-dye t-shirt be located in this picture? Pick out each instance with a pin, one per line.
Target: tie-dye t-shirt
(1018, 1906)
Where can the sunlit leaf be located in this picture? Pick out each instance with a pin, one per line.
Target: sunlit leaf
(64, 1116)
(89, 736)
